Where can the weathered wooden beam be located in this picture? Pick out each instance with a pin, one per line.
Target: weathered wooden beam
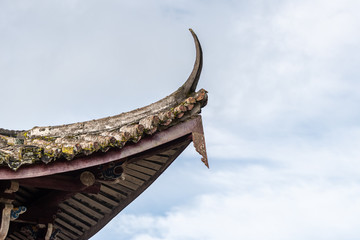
(7, 190)
(158, 150)
(44, 209)
(198, 138)
(49, 231)
(62, 183)
(9, 186)
(5, 220)
(8, 196)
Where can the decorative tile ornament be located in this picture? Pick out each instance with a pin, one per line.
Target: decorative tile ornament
(15, 212)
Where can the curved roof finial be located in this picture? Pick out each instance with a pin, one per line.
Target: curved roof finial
(129, 117)
(191, 83)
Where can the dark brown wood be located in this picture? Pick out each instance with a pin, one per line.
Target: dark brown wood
(136, 174)
(73, 202)
(108, 190)
(128, 184)
(133, 180)
(68, 226)
(85, 198)
(151, 154)
(58, 182)
(4, 185)
(8, 196)
(148, 164)
(141, 169)
(43, 210)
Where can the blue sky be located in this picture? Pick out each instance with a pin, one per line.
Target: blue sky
(282, 124)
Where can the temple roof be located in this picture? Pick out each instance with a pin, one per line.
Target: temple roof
(67, 182)
(48, 144)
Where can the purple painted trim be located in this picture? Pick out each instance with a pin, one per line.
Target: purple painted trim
(170, 134)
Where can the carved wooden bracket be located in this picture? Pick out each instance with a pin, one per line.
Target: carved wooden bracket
(5, 220)
(199, 141)
(200, 147)
(13, 187)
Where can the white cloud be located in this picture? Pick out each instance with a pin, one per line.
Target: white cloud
(282, 124)
(264, 206)
(292, 65)
(325, 153)
(100, 56)
(319, 28)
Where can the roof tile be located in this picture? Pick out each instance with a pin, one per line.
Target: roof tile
(41, 144)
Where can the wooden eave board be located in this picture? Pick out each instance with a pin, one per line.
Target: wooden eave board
(129, 151)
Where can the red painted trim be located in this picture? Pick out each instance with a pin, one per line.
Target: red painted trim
(170, 134)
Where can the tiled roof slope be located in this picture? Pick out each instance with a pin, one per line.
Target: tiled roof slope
(28, 148)
(47, 144)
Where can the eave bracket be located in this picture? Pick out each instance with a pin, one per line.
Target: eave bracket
(5, 220)
(198, 138)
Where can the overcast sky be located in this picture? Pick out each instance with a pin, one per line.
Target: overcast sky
(282, 123)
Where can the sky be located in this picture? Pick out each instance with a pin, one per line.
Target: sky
(282, 124)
